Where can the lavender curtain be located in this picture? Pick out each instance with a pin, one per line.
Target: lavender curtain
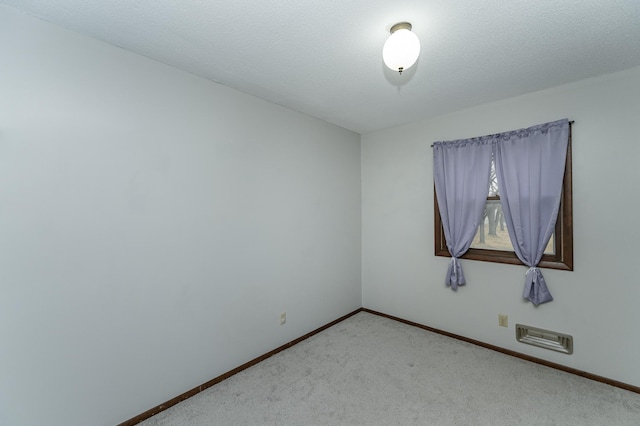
(461, 175)
(530, 168)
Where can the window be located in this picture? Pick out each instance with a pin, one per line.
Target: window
(492, 243)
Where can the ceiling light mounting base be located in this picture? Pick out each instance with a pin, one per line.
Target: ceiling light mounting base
(400, 26)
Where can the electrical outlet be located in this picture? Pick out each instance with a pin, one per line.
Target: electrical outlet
(283, 318)
(503, 320)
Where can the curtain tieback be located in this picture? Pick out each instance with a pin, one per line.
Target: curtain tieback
(454, 269)
(531, 269)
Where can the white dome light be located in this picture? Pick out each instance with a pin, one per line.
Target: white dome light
(402, 48)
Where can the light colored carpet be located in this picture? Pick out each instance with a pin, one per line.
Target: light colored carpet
(369, 370)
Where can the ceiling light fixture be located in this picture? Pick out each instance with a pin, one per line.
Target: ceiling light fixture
(402, 48)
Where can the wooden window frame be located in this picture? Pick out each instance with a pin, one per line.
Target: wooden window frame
(563, 257)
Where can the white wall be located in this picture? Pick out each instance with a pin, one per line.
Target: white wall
(153, 225)
(597, 303)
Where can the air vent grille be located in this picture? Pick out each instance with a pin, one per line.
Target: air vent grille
(544, 339)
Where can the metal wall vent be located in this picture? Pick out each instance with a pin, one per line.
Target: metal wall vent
(544, 339)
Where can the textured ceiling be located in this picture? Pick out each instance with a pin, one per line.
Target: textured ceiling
(324, 57)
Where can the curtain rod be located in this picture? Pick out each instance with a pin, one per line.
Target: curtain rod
(570, 123)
